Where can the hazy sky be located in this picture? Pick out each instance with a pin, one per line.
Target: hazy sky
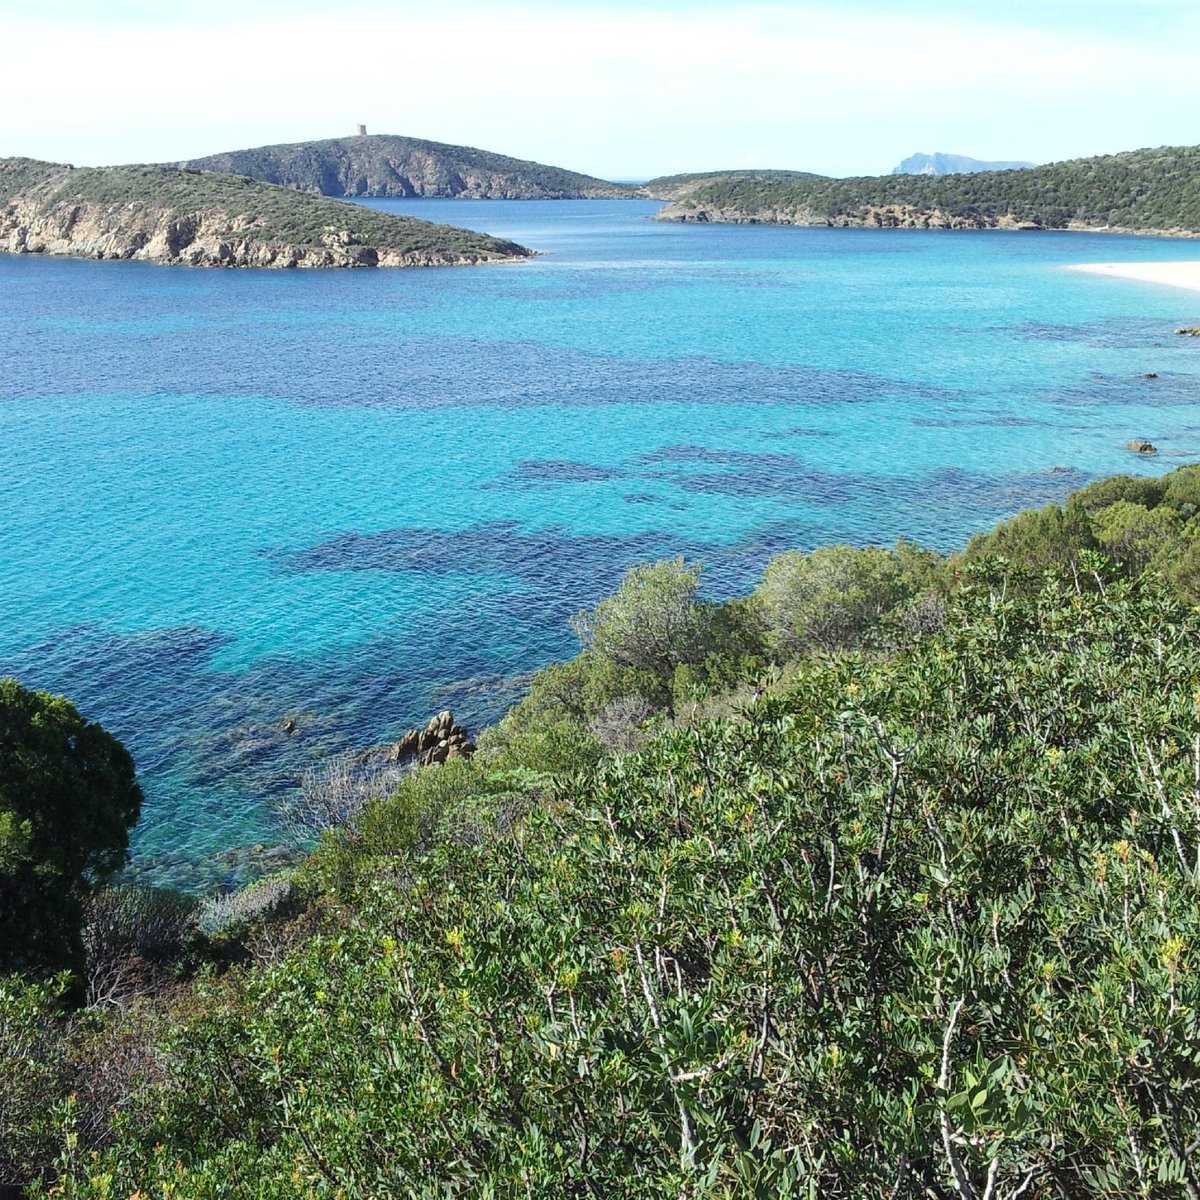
(617, 88)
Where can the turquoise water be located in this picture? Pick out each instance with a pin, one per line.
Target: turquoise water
(350, 498)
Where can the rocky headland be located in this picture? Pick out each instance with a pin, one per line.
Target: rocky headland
(192, 218)
(386, 165)
(1143, 191)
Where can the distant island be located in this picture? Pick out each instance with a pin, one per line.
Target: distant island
(952, 164)
(1140, 191)
(384, 165)
(168, 215)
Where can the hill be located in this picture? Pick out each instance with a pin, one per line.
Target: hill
(383, 165)
(952, 164)
(1141, 191)
(671, 187)
(167, 215)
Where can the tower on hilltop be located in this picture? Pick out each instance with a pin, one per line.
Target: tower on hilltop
(362, 131)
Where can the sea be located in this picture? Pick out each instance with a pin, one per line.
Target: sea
(236, 500)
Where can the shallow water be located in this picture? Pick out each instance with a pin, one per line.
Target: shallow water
(354, 497)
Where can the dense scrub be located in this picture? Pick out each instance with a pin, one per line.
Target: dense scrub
(896, 895)
(1141, 190)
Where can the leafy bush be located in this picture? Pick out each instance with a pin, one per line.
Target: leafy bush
(460, 802)
(68, 796)
(35, 1078)
(836, 597)
(653, 622)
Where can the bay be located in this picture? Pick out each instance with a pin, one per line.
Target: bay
(351, 498)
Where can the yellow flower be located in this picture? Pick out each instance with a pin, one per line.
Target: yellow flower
(1171, 952)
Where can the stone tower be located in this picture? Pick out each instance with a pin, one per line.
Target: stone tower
(362, 131)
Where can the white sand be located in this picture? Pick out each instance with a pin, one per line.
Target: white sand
(1172, 274)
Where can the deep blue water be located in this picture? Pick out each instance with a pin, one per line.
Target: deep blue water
(354, 497)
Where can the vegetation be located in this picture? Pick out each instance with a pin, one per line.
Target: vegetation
(1142, 190)
(897, 894)
(68, 796)
(383, 165)
(671, 187)
(250, 209)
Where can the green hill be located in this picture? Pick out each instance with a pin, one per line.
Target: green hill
(383, 165)
(163, 214)
(671, 187)
(1144, 191)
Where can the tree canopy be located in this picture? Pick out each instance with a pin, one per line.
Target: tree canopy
(68, 797)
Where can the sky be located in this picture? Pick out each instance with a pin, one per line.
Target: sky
(616, 88)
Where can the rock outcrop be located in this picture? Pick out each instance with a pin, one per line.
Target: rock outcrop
(165, 215)
(1141, 446)
(439, 742)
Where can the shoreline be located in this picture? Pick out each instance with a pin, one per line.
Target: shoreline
(1184, 275)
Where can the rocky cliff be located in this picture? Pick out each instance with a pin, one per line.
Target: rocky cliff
(166, 215)
(384, 165)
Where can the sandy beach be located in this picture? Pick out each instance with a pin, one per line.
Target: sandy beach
(1171, 274)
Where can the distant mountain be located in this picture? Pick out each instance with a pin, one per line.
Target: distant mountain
(1141, 191)
(383, 165)
(167, 215)
(952, 164)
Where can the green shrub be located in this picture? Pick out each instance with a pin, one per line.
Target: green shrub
(837, 597)
(68, 796)
(653, 622)
(1036, 541)
(34, 1077)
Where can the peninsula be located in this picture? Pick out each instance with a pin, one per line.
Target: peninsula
(168, 215)
(1140, 191)
(384, 165)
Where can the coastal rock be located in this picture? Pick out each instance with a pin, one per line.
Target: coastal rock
(1189, 331)
(440, 741)
(1141, 446)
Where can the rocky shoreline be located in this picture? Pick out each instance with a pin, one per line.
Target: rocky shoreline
(887, 216)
